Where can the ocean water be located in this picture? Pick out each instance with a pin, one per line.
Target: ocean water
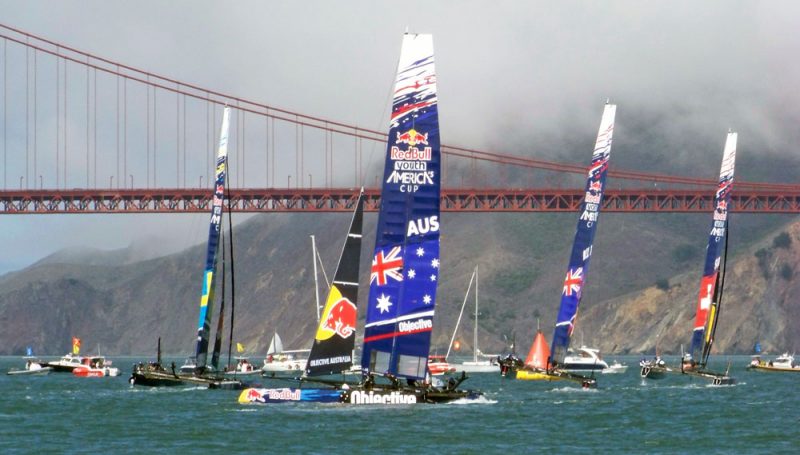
(60, 413)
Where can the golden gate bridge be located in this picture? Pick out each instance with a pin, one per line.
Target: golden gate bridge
(85, 134)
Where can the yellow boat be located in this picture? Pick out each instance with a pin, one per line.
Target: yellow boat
(530, 375)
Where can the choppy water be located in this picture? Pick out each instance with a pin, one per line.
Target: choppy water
(62, 414)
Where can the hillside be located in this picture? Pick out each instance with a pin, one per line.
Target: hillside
(760, 303)
(123, 306)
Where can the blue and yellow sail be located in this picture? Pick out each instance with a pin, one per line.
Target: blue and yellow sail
(217, 205)
(584, 237)
(708, 298)
(405, 264)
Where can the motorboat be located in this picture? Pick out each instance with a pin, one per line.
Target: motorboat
(615, 368)
(437, 365)
(95, 367)
(784, 362)
(243, 367)
(33, 367)
(66, 364)
(583, 359)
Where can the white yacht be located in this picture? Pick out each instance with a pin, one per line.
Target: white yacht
(583, 359)
(67, 363)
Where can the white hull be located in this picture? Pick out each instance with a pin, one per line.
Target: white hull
(615, 368)
(284, 367)
(477, 367)
(39, 372)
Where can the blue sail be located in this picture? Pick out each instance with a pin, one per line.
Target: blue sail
(707, 309)
(209, 278)
(405, 264)
(584, 237)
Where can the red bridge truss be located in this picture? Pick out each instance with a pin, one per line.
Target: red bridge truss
(342, 199)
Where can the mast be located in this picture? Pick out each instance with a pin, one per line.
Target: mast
(316, 283)
(707, 302)
(461, 313)
(233, 277)
(712, 325)
(207, 296)
(584, 237)
(332, 351)
(405, 264)
(475, 335)
(221, 319)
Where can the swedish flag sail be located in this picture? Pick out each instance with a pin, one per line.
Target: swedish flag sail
(708, 299)
(584, 237)
(405, 264)
(207, 298)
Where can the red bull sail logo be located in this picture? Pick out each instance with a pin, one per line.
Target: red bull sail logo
(339, 317)
(413, 138)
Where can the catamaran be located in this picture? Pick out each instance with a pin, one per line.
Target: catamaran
(694, 362)
(553, 368)
(205, 373)
(405, 266)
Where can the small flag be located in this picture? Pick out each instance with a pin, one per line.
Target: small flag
(76, 346)
(239, 348)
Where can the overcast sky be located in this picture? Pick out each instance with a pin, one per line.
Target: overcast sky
(514, 76)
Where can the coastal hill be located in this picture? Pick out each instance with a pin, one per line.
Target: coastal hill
(642, 285)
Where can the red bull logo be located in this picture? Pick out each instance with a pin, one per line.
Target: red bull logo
(342, 318)
(251, 396)
(339, 317)
(412, 138)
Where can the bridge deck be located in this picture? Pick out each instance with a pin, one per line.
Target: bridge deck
(166, 200)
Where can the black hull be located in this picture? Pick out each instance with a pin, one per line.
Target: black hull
(365, 393)
(152, 380)
(154, 375)
(660, 372)
(60, 368)
(714, 377)
(654, 372)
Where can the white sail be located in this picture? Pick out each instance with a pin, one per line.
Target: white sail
(276, 345)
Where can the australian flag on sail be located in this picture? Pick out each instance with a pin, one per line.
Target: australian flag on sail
(719, 225)
(405, 263)
(207, 297)
(584, 236)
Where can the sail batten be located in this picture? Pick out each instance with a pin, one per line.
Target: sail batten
(584, 236)
(405, 264)
(209, 274)
(709, 295)
(335, 339)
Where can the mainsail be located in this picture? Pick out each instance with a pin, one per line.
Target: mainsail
(207, 298)
(584, 237)
(405, 264)
(708, 299)
(335, 339)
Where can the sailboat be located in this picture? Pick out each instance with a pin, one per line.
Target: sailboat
(405, 265)
(489, 362)
(331, 351)
(578, 264)
(281, 361)
(694, 362)
(205, 373)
